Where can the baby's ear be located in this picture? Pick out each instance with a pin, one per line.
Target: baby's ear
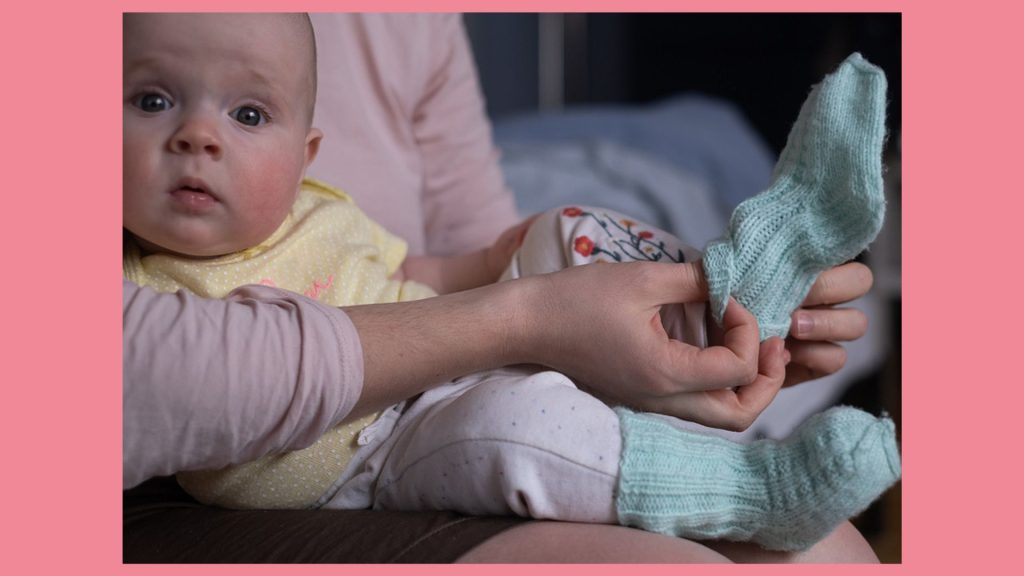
(313, 139)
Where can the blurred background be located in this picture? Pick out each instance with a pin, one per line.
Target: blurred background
(675, 119)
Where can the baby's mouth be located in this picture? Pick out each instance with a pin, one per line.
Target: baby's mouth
(193, 194)
(193, 185)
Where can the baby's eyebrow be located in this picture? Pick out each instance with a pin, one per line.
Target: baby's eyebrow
(142, 62)
(148, 64)
(265, 87)
(258, 77)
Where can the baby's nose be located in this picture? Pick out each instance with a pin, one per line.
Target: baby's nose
(196, 137)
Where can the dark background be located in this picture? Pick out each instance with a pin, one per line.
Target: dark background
(764, 63)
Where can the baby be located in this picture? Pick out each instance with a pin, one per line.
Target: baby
(217, 136)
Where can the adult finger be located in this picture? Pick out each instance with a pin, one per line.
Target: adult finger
(835, 324)
(771, 374)
(736, 409)
(811, 360)
(734, 363)
(740, 336)
(840, 284)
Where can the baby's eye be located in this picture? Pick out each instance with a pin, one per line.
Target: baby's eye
(152, 102)
(249, 115)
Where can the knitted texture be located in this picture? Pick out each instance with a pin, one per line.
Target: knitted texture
(782, 495)
(824, 206)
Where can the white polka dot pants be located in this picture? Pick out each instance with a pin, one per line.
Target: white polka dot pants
(510, 441)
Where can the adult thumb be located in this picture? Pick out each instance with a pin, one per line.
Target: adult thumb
(680, 283)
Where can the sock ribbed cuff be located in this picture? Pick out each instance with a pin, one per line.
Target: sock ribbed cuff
(682, 483)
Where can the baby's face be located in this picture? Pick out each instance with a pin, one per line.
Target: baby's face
(216, 134)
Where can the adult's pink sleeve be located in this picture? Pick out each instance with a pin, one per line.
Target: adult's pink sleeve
(207, 383)
(466, 202)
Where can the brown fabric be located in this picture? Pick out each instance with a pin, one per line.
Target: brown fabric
(162, 524)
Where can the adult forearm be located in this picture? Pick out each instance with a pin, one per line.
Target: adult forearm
(600, 325)
(410, 347)
(212, 382)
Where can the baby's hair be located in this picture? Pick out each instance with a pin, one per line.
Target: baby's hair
(309, 38)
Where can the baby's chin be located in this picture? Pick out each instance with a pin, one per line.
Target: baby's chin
(196, 250)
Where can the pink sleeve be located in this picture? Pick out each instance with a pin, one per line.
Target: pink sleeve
(207, 383)
(466, 203)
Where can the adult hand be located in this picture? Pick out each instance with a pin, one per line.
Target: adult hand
(817, 325)
(601, 326)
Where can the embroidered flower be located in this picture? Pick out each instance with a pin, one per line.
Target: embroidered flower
(645, 235)
(584, 246)
(627, 223)
(572, 212)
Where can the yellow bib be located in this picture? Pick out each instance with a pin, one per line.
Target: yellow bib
(328, 250)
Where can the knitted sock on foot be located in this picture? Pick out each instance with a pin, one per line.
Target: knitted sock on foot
(824, 206)
(782, 495)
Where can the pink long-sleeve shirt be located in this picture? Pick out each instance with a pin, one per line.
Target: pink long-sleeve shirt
(207, 383)
(210, 382)
(406, 132)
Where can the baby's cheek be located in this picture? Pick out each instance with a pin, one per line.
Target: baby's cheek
(264, 216)
(278, 185)
(269, 215)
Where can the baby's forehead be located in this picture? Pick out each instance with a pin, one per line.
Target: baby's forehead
(273, 45)
(273, 32)
(286, 36)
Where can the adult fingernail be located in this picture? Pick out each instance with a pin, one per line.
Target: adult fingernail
(804, 324)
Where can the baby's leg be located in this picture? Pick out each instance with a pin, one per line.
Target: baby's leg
(531, 444)
(516, 442)
(578, 235)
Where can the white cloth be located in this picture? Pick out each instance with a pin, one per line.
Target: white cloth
(509, 441)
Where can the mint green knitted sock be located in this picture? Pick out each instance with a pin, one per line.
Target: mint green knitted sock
(824, 206)
(782, 495)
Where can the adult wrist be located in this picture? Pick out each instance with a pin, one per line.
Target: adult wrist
(522, 303)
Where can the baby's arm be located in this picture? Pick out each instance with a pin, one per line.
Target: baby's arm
(446, 274)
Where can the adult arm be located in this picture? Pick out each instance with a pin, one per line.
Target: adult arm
(600, 325)
(207, 383)
(465, 200)
(213, 382)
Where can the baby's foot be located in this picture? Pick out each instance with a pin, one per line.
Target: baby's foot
(782, 495)
(824, 206)
(835, 465)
